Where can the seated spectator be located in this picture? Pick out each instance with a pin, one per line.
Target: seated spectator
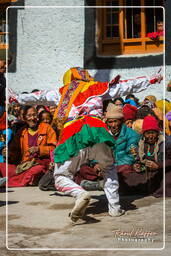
(40, 108)
(3, 134)
(124, 136)
(52, 109)
(144, 111)
(18, 122)
(45, 117)
(118, 101)
(147, 177)
(29, 151)
(151, 98)
(129, 112)
(131, 99)
(16, 109)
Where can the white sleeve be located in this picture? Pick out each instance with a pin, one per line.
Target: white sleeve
(50, 98)
(128, 86)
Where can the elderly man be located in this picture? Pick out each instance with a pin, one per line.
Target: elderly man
(125, 138)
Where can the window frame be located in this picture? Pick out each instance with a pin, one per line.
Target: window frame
(121, 45)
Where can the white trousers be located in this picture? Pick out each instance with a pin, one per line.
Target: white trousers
(65, 184)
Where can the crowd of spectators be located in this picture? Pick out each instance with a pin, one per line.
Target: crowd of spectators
(137, 127)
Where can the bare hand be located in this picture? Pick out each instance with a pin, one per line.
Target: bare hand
(33, 150)
(137, 167)
(98, 169)
(51, 166)
(151, 165)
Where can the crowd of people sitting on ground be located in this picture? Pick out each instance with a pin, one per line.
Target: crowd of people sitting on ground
(136, 127)
(69, 147)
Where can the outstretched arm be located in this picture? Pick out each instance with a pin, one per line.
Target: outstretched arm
(123, 87)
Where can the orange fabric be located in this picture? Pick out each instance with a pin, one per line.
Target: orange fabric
(97, 89)
(167, 129)
(46, 142)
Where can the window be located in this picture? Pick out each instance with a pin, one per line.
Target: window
(2, 26)
(129, 30)
(3, 5)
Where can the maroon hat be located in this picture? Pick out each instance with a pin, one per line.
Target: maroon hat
(129, 112)
(150, 123)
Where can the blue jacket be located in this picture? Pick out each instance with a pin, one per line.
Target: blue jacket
(126, 139)
(9, 134)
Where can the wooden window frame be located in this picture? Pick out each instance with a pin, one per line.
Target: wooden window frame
(3, 5)
(121, 45)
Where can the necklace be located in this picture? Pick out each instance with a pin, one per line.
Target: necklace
(148, 150)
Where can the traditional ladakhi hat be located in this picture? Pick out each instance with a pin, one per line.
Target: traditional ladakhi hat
(150, 123)
(168, 116)
(114, 111)
(151, 98)
(129, 112)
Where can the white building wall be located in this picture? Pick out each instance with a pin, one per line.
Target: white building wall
(51, 40)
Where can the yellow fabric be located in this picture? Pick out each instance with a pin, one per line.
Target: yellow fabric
(163, 105)
(87, 85)
(32, 132)
(67, 77)
(73, 74)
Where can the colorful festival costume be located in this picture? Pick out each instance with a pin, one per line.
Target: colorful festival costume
(84, 137)
(81, 102)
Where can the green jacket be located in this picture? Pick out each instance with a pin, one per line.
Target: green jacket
(126, 139)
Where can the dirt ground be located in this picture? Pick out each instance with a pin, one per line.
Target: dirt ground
(38, 224)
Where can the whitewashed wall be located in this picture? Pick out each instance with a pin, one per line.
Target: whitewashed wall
(51, 40)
